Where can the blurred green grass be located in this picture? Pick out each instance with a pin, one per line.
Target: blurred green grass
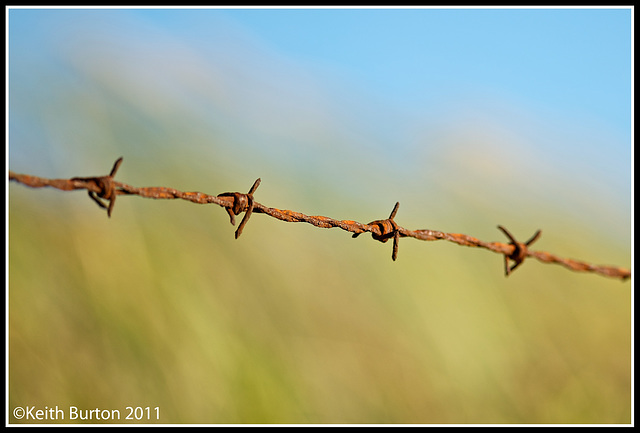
(160, 306)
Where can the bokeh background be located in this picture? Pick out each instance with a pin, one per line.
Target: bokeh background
(469, 118)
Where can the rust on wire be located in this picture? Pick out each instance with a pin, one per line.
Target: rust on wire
(241, 203)
(519, 252)
(387, 229)
(106, 188)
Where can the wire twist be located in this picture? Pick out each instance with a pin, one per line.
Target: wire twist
(520, 250)
(387, 229)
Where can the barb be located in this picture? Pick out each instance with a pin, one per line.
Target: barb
(388, 229)
(519, 250)
(241, 203)
(235, 203)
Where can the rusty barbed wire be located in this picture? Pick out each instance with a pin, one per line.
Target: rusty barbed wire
(106, 188)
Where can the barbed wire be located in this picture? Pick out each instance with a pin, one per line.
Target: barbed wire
(105, 188)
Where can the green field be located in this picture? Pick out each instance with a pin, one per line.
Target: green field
(160, 307)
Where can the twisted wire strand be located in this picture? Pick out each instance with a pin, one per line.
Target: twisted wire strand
(106, 188)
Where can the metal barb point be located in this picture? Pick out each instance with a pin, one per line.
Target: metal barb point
(388, 229)
(249, 210)
(106, 187)
(519, 252)
(241, 203)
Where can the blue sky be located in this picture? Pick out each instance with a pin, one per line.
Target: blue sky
(565, 59)
(569, 68)
(550, 88)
